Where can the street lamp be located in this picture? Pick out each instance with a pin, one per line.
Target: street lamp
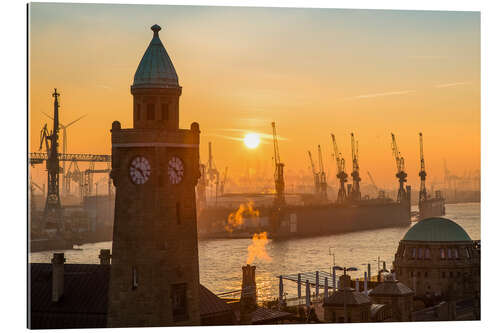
(346, 269)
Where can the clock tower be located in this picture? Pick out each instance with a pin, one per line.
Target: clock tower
(155, 167)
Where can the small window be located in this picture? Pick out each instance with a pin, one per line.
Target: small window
(179, 302)
(427, 253)
(164, 112)
(151, 112)
(455, 253)
(451, 274)
(404, 252)
(467, 252)
(138, 112)
(178, 212)
(135, 280)
(442, 254)
(444, 275)
(420, 253)
(449, 253)
(426, 274)
(413, 252)
(418, 274)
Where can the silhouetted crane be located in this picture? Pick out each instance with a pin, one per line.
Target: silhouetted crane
(422, 196)
(323, 186)
(52, 216)
(66, 181)
(315, 174)
(400, 166)
(355, 194)
(279, 180)
(341, 174)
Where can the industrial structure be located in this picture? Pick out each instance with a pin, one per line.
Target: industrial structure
(354, 193)
(427, 206)
(279, 179)
(401, 173)
(341, 174)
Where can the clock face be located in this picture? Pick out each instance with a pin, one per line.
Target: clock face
(139, 170)
(175, 170)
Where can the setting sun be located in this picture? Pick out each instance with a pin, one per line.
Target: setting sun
(251, 140)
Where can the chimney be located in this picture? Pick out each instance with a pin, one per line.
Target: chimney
(105, 257)
(344, 282)
(248, 300)
(57, 276)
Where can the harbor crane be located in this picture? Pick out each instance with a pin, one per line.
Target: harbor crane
(223, 182)
(315, 174)
(341, 174)
(323, 186)
(355, 194)
(212, 173)
(201, 187)
(422, 196)
(52, 215)
(400, 166)
(65, 180)
(279, 180)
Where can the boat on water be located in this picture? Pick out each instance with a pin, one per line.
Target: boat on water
(295, 220)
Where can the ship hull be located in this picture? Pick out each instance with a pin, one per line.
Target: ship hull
(307, 221)
(431, 208)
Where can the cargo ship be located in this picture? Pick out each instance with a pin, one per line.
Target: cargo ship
(296, 220)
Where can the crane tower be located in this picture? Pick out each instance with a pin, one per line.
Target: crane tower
(341, 174)
(279, 180)
(355, 194)
(422, 196)
(400, 166)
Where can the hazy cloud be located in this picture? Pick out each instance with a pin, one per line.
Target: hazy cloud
(388, 93)
(452, 84)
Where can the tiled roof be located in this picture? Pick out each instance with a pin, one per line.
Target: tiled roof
(391, 288)
(210, 304)
(352, 298)
(263, 315)
(84, 303)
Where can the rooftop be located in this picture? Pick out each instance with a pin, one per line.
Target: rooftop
(437, 229)
(155, 69)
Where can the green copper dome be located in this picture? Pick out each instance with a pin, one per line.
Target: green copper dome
(155, 69)
(436, 229)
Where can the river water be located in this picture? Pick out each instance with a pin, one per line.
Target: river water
(221, 260)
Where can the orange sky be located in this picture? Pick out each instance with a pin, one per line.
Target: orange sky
(313, 71)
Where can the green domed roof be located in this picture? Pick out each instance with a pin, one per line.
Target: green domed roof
(436, 229)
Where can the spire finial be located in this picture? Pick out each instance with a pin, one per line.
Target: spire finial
(155, 29)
